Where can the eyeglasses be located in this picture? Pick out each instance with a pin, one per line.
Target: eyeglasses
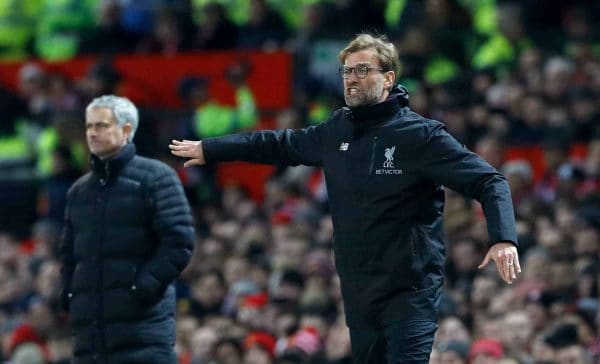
(361, 71)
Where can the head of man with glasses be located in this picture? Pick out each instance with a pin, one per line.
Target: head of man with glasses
(369, 66)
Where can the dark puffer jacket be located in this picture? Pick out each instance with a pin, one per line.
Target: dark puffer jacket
(128, 236)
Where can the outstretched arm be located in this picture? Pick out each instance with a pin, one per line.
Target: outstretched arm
(283, 147)
(191, 149)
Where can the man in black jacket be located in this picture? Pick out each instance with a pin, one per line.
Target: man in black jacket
(384, 167)
(128, 235)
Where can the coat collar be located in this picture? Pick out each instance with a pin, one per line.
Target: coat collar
(107, 169)
(373, 115)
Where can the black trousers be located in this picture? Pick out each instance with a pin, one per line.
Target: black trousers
(399, 342)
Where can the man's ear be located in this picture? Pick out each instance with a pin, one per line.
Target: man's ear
(390, 80)
(127, 129)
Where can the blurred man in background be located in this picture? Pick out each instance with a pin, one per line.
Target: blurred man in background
(128, 236)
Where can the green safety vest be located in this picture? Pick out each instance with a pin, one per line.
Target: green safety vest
(238, 11)
(45, 146)
(59, 28)
(246, 108)
(17, 22)
(318, 112)
(484, 15)
(292, 11)
(393, 12)
(13, 147)
(213, 119)
(16, 146)
(440, 69)
(498, 50)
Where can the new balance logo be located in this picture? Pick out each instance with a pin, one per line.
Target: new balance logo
(344, 146)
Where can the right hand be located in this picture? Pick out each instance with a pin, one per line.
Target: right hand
(188, 149)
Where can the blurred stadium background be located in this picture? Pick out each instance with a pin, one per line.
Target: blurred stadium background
(516, 81)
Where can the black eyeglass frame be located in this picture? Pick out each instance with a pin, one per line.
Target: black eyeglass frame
(345, 71)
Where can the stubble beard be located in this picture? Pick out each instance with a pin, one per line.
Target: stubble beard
(365, 97)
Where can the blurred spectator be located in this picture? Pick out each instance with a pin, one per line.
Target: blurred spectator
(518, 335)
(454, 352)
(451, 330)
(505, 41)
(101, 79)
(17, 20)
(168, 37)
(228, 351)
(60, 146)
(109, 36)
(260, 348)
(485, 351)
(207, 294)
(137, 15)
(520, 179)
(573, 354)
(265, 29)
(216, 31)
(60, 27)
(586, 115)
(34, 330)
(202, 341)
(211, 118)
(32, 90)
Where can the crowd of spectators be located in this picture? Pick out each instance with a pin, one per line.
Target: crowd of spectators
(261, 287)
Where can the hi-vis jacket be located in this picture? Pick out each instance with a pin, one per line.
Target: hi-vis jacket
(384, 167)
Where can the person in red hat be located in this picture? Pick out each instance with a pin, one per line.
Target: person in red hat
(251, 310)
(260, 348)
(485, 351)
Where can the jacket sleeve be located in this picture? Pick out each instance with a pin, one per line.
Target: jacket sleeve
(67, 260)
(172, 222)
(284, 147)
(447, 162)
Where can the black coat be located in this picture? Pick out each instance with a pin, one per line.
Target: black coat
(128, 235)
(384, 167)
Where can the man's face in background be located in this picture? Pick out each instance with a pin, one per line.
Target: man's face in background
(104, 137)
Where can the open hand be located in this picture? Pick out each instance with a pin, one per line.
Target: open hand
(506, 257)
(191, 149)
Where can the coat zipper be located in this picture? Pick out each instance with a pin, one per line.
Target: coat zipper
(373, 155)
(100, 272)
(412, 246)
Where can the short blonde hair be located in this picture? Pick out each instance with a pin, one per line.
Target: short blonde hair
(384, 50)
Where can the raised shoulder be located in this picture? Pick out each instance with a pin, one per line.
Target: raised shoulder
(420, 121)
(433, 125)
(413, 128)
